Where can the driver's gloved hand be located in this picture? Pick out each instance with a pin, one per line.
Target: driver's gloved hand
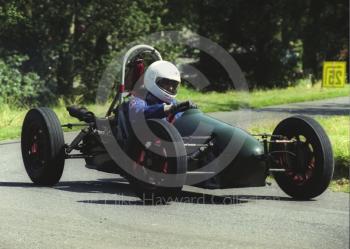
(181, 107)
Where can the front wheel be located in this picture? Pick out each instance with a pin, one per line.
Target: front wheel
(42, 145)
(309, 163)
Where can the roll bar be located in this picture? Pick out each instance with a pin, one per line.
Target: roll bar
(132, 52)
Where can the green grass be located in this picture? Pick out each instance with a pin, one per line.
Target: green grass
(338, 130)
(11, 118)
(340, 185)
(232, 100)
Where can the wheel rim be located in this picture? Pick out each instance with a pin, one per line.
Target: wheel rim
(301, 167)
(36, 147)
(152, 158)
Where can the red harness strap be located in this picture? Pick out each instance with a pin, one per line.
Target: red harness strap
(171, 118)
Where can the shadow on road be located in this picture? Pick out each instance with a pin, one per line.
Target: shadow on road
(121, 188)
(115, 186)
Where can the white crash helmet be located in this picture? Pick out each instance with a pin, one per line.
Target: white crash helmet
(162, 79)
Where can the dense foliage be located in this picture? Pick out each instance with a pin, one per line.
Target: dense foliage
(69, 43)
(20, 89)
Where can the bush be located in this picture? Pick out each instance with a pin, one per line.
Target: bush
(17, 88)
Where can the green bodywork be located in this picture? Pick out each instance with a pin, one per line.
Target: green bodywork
(238, 156)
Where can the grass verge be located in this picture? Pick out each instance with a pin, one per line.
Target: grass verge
(11, 118)
(233, 100)
(340, 185)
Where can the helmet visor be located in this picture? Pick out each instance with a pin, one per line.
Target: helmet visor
(167, 85)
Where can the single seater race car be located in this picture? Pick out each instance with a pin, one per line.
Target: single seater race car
(158, 157)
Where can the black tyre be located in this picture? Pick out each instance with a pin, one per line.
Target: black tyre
(42, 146)
(309, 166)
(160, 166)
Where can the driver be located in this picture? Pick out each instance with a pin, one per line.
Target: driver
(161, 81)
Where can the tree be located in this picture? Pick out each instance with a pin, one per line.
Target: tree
(325, 33)
(71, 41)
(273, 41)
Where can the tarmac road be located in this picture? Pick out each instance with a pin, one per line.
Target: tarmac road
(90, 209)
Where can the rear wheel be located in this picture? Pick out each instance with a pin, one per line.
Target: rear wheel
(42, 145)
(160, 164)
(309, 164)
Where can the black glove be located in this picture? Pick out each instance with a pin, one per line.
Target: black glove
(183, 106)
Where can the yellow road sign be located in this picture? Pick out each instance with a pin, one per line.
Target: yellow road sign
(334, 74)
